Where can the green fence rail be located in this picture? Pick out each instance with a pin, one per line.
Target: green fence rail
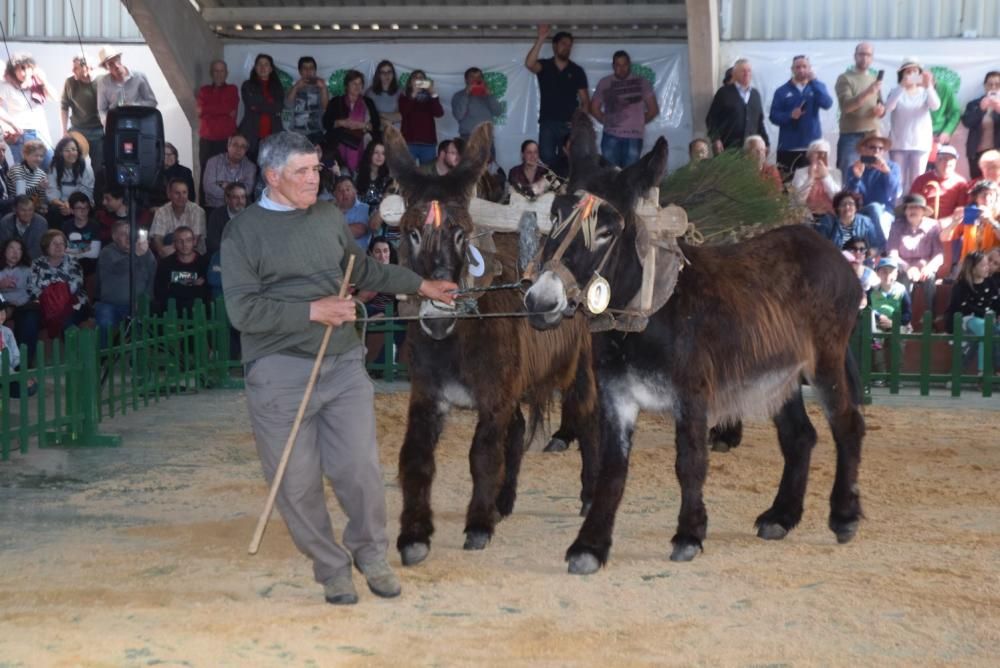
(147, 359)
(386, 335)
(925, 359)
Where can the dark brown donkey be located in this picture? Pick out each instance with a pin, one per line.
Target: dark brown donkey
(745, 324)
(489, 365)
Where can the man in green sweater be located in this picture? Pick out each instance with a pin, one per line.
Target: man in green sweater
(283, 260)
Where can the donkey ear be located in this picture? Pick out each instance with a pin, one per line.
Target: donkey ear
(477, 150)
(584, 158)
(475, 159)
(637, 179)
(401, 163)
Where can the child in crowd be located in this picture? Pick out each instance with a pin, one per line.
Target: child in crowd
(975, 293)
(9, 344)
(887, 299)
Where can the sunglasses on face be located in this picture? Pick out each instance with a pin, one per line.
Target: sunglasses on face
(858, 249)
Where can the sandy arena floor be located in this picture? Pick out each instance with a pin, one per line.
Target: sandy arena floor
(137, 557)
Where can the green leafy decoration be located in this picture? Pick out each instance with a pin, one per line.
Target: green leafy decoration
(335, 84)
(726, 199)
(645, 72)
(497, 83)
(946, 77)
(285, 79)
(403, 78)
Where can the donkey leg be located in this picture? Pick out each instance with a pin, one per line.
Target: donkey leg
(797, 437)
(562, 438)
(486, 463)
(835, 380)
(580, 410)
(725, 437)
(691, 468)
(590, 549)
(514, 452)
(416, 474)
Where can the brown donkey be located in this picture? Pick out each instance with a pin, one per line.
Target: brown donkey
(489, 365)
(745, 325)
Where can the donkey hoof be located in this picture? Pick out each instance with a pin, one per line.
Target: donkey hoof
(476, 540)
(414, 553)
(585, 508)
(685, 551)
(719, 446)
(583, 564)
(844, 531)
(556, 445)
(769, 531)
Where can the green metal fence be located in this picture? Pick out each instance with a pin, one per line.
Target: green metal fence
(387, 335)
(925, 359)
(147, 359)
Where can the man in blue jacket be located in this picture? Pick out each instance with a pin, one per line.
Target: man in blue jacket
(795, 110)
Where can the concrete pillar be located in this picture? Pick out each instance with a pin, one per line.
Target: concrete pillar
(703, 57)
(183, 47)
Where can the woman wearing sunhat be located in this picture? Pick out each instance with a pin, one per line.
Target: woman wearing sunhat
(915, 243)
(909, 106)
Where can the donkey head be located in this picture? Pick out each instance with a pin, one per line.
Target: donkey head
(435, 229)
(591, 227)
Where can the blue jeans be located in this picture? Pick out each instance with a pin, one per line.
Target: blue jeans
(423, 153)
(15, 149)
(881, 216)
(620, 151)
(108, 316)
(550, 140)
(847, 151)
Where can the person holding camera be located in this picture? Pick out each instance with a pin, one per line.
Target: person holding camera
(307, 98)
(910, 105)
(982, 118)
(859, 96)
(419, 105)
(474, 104)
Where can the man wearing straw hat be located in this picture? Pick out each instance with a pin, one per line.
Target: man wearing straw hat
(876, 179)
(283, 262)
(121, 87)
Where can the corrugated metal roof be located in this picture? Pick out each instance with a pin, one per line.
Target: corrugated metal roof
(60, 20)
(858, 19)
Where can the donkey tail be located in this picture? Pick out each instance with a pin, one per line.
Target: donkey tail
(853, 377)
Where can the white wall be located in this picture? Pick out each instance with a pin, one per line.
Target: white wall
(56, 60)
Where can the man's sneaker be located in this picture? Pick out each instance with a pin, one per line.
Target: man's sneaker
(339, 590)
(381, 579)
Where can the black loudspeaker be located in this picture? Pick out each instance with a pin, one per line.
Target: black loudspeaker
(133, 146)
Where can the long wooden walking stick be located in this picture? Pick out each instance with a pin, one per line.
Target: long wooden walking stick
(258, 535)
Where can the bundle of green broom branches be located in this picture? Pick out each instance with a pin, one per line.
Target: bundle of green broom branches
(727, 199)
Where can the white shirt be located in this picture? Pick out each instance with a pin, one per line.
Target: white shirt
(910, 114)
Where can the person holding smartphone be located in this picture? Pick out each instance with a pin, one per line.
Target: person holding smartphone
(910, 105)
(474, 104)
(795, 110)
(982, 118)
(307, 100)
(859, 97)
(113, 277)
(876, 179)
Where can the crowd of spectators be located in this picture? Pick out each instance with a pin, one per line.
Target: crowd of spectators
(899, 195)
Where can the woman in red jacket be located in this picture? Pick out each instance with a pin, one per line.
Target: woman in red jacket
(419, 106)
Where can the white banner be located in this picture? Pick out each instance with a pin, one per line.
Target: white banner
(503, 64)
